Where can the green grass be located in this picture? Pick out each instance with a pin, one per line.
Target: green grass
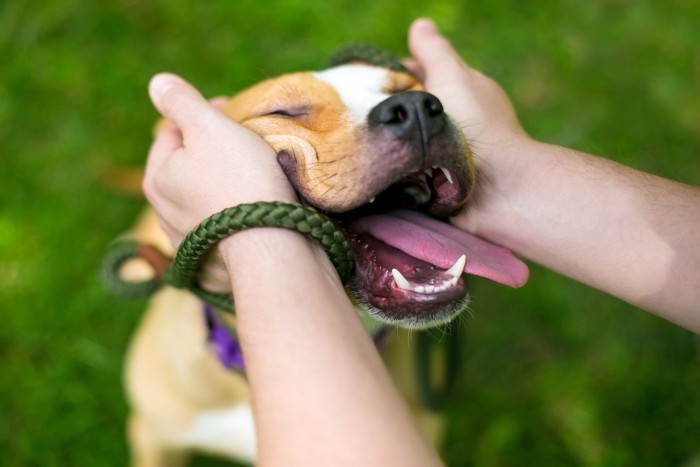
(555, 373)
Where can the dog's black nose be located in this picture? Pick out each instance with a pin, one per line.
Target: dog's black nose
(410, 115)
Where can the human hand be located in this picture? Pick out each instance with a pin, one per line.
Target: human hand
(477, 103)
(479, 107)
(553, 205)
(204, 162)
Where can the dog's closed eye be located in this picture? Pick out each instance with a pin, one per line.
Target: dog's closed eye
(292, 112)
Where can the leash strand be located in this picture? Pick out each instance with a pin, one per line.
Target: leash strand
(188, 260)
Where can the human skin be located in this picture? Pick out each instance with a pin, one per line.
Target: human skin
(628, 233)
(321, 394)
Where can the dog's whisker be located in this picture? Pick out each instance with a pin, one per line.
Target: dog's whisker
(326, 163)
(321, 181)
(331, 188)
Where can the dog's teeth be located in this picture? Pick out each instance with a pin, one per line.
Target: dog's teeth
(458, 268)
(429, 172)
(447, 174)
(401, 281)
(455, 272)
(421, 194)
(371, 200)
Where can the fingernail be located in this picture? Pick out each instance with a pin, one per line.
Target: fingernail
(428, 25)
(218, 102)
(160, 84)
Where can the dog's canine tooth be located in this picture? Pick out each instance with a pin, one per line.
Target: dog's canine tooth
(371, 200)
(458, 268)
(401, 281)
(447, 174)
(455, 271)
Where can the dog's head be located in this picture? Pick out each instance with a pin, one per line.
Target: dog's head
(363, 142)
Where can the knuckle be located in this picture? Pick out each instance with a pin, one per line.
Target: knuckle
(148, 187)
(151, 183)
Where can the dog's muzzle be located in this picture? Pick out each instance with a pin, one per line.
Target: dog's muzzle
(413, 116)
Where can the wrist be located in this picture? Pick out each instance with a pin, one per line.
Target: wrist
(266, 252)
(503, 170)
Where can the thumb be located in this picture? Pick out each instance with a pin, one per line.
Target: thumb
(178, 101)
(434, 54)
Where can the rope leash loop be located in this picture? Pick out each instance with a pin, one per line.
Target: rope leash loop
(188, 260)
(302, 219)
(121, 252)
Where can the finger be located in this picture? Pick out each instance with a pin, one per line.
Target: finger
(414, 67)
(180, 102)
(165, 145)
(167, 141)
(218, 101)
(433, 52)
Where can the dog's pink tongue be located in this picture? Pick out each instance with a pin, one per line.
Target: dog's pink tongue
(441, 244)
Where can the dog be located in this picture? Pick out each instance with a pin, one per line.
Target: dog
(365, 143)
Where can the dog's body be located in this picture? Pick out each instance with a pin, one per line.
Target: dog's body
(183, 399)
(356, 140)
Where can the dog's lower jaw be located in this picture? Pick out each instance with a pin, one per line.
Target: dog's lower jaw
(374, 318)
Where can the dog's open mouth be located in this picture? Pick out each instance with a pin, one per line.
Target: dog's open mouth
(409, 262)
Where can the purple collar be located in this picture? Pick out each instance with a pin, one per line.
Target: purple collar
(224, 343)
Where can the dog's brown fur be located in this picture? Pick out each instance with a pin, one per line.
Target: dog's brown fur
(172, 378)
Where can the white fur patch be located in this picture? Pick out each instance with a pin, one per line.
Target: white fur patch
(229, 432)
(359, 87)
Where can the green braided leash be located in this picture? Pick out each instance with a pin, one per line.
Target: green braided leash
(367, 53)
(189, 257)
(119, 253)
(187, 263)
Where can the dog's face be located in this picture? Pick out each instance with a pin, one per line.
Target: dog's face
(368, 146)
(345, 134)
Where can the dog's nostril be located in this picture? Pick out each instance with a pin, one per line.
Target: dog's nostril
(395, 114)
(400, 114)
(433, 106)
(408, 113)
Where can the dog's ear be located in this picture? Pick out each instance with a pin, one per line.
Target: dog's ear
(367, 53)
(123, 180)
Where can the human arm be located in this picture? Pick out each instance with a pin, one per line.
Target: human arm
(633, 235)
(321, 395)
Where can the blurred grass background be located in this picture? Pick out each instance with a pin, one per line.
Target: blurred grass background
(555, 373)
